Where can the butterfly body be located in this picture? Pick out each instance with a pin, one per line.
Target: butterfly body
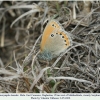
(55, 40)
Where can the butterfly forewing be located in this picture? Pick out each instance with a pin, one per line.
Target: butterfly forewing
(50, 28)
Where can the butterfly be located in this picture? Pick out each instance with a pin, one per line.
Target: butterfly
(55, 40)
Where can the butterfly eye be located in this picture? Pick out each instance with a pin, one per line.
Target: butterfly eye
(52, 35)
(65, 40)
(60, 34)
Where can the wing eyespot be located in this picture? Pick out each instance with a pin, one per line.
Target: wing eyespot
(52, 24)
(62, 36)
(52, 35)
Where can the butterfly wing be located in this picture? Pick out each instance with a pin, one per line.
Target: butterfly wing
(51, 26)
(58, 42)
(54, 41)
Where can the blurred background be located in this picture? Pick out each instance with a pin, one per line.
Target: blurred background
(21, 26)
